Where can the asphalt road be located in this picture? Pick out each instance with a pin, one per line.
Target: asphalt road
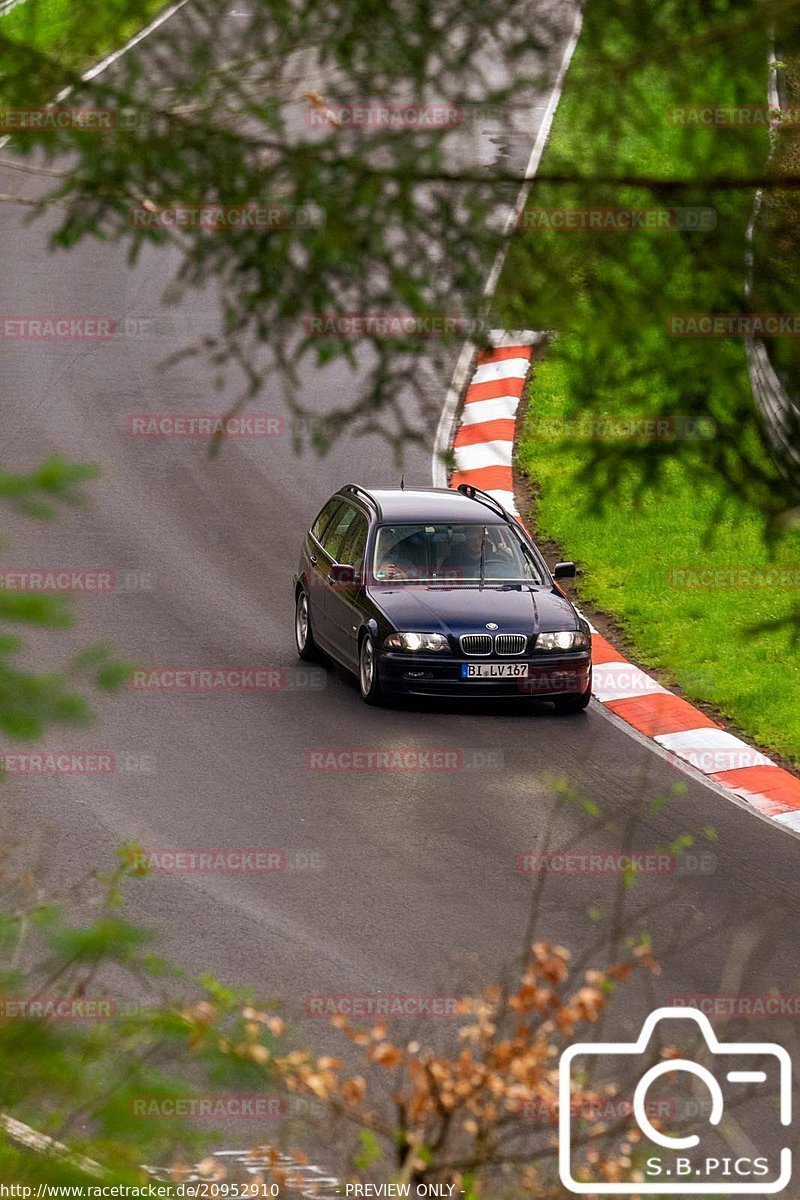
(400, 882)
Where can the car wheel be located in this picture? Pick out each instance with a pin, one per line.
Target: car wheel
(574, 704)
(303, 633)
(368, 680)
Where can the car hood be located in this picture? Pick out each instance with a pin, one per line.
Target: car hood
(467, 609)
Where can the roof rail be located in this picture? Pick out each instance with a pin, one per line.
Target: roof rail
(473, 493)
(364, 495)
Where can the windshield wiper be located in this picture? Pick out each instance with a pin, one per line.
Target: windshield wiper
(532, 563)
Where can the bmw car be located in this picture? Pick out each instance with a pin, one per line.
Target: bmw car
(438, 592)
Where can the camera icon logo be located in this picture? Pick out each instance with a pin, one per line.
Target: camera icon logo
(676, 1165)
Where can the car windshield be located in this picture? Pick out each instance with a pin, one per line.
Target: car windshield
(451, 554)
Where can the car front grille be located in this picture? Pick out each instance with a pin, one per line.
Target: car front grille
(484, 643)
(476, 643)
(510, 643)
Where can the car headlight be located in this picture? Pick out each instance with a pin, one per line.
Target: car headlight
(563, 640)
(417, 641)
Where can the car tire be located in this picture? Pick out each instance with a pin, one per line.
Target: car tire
(368, 680)
(303, 634)
(574, 704)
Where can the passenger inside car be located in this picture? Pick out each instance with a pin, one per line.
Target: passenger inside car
(464, 556)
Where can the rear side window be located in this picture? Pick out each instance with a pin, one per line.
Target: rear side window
(354, 546)
(319, 528)
(337, 531)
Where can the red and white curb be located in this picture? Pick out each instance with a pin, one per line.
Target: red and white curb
(484, 442)
(482, 451)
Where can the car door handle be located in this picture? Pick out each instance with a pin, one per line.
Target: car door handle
(312, 558)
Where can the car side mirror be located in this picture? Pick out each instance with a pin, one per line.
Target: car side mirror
(565, 570)
(344, 573)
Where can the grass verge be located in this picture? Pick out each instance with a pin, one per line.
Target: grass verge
(76, 36)
(647, 568)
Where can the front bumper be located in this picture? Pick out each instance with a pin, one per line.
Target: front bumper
(440, 675)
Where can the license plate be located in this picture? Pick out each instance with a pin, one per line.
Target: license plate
(494, 670)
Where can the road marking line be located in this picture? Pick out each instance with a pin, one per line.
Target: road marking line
(447, 418)
(157, 21)
(98, 68)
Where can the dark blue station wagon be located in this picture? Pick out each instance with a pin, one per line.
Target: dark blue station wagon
(434, 592)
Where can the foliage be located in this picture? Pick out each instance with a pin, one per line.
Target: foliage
(477, 1107)
(402, 225)
(29, 701)
(707, 491)
(110, 1031)
(654, 571)
(459, 1116)
(47, 25)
